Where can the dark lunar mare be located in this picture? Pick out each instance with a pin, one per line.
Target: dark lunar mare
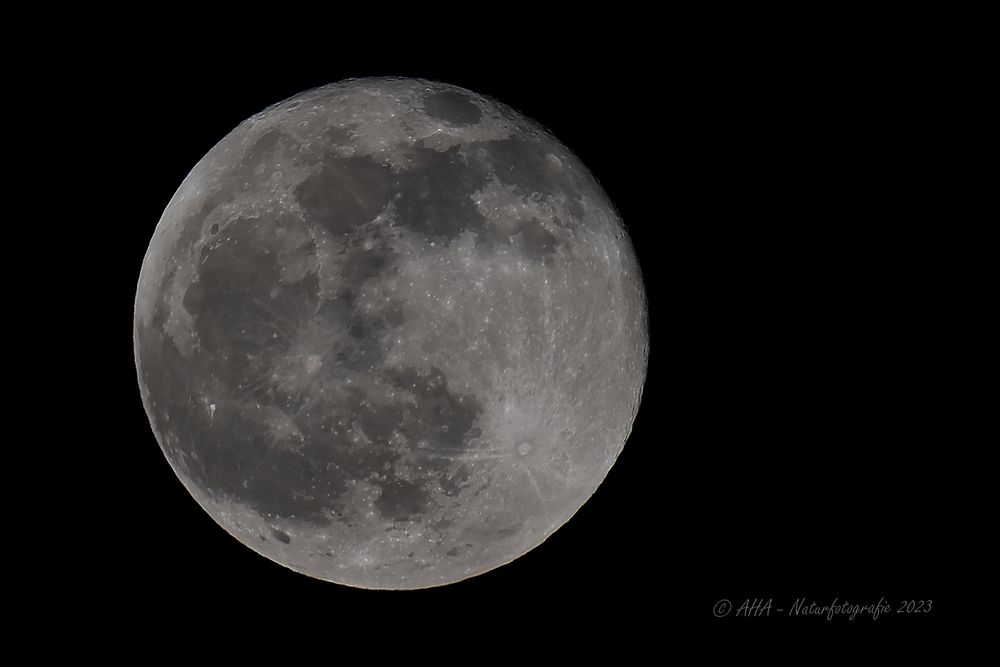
(231, 452)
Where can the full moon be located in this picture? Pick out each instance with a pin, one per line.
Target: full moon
(390, 333)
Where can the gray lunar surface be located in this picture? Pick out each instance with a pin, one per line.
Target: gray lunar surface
(390, 333)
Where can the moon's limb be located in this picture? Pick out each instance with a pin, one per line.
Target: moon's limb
(390, 333)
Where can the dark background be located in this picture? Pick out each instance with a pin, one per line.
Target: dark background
(789, 441)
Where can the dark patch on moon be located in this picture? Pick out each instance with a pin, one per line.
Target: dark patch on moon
(259, 155)
(233, 453)
(345, 193)
(233, 295)
(238, 459)
(239, 178)
(535, 241)
(521, 163)
(452, 107)
(525, 165)
(437, 413)
(363, 262)
(401, 499)
(434, 198)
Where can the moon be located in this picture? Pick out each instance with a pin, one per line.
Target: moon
(390, 333)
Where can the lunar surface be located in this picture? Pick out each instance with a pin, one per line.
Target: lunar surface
(390, 333)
